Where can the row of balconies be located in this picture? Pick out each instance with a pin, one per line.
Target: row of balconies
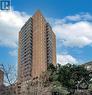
(49, 40)
(28, 30)
(26, 45)
(28, 36)
(25, 38)
(25, 59)
(49, 55)
(49, 60)
(27, 76)
(27, 71)
(48, 26)
(25, 33)
(49, 51)
(49, 47)
(27, 64)
(29, 22)
(27, 68)
(24, 50)
(49, 32)
(49, 44)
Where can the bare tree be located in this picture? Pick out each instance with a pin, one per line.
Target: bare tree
(9, 78)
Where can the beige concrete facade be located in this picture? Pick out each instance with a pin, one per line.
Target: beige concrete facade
(37, 48)
(39, 45)
(53, 48)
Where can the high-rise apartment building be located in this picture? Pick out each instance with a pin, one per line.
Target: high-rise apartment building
(37, 47)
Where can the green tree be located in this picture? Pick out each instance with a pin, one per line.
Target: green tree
(68, 76)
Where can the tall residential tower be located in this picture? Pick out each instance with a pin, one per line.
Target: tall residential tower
(37, 47)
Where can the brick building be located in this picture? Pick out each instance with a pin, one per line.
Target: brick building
(37, 49)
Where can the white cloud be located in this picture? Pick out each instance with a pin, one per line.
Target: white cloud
(13, 53)
(10, 24)
(78, 34)
(78, 17)
(66, 58)
(72, 34)
(73, 18)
